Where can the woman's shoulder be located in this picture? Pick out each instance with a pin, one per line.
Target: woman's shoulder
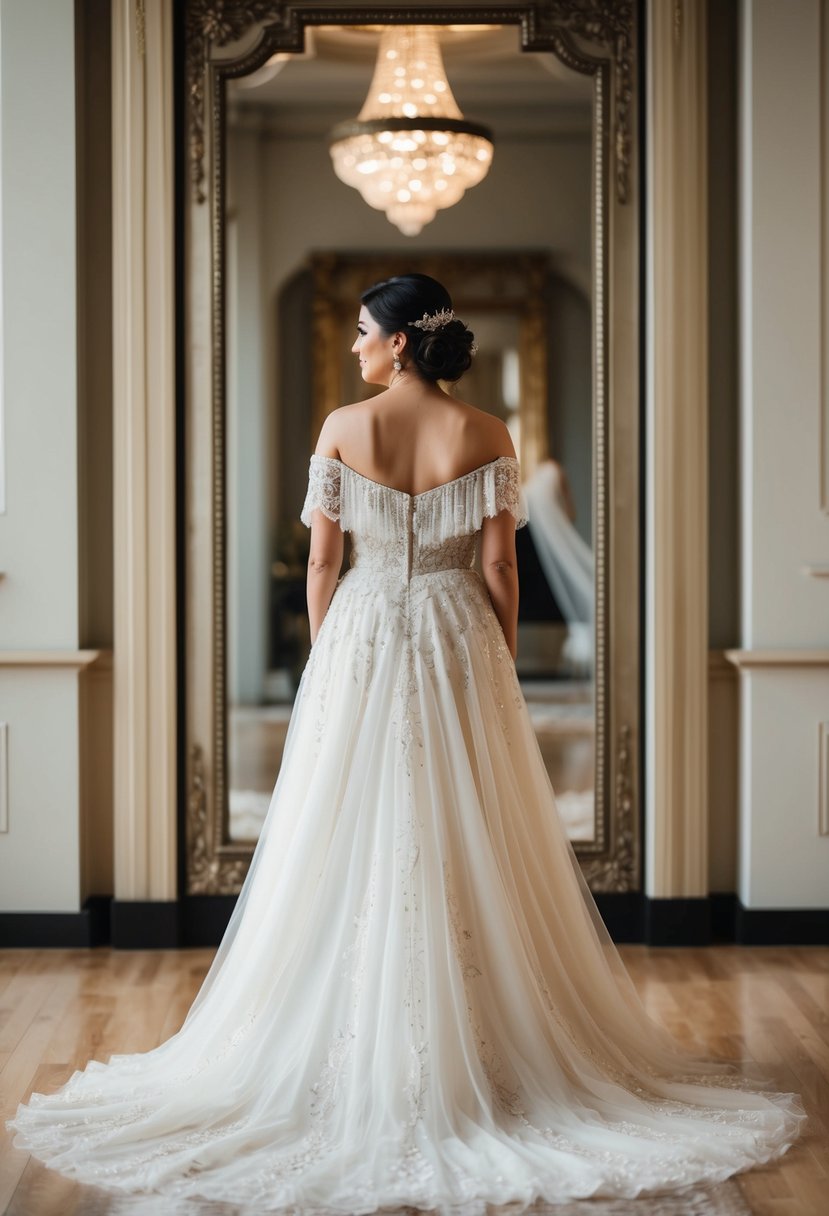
(336, 428)
(483, 436)
(488, 434)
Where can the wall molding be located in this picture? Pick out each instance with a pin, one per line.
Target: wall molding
(677, 474)
(144, 448)
(78, 659)
(744, 659)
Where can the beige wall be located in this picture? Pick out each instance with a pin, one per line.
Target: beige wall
(55, 596)
(39, 530)
(784, 167)
(783, 855)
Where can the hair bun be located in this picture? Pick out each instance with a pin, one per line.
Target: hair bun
(445, 353)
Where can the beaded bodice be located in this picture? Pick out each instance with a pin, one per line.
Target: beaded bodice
(406, 535)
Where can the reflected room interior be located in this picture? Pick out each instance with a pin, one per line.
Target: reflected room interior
(292, 301)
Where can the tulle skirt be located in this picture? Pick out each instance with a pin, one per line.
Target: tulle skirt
(416, 1001)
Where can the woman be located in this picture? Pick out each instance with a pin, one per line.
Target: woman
(415, 1001)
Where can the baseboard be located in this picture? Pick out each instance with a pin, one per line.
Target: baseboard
(722, 918)
(143, 924)
(622, 914)
(677, 922)
(195, 920)
(204, 918)
(781, 926)
(60, 930)
(201, 920)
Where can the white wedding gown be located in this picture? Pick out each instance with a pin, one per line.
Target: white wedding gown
(415, 1001)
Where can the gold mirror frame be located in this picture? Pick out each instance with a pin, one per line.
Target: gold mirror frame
(592, 37)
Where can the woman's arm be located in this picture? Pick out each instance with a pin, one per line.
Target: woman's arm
(498, 558)
(327, 541)
(324, 562)
(500, 572)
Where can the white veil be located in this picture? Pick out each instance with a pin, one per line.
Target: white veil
(566, 559)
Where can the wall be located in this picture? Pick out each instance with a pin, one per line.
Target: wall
(784, 415)
(55, 546)
(40, 526)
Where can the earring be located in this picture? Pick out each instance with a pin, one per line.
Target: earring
(397, 365)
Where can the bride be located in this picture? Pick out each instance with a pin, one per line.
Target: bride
(415, 1001)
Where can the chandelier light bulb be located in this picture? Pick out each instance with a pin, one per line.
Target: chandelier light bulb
(410, 151)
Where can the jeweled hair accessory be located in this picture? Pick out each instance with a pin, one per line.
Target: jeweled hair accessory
(434, 321)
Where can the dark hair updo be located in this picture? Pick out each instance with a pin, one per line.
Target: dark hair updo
(440, 354)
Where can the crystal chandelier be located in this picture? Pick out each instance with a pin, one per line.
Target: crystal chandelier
(410, 151)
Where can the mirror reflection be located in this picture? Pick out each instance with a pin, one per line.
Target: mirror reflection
(515, 253)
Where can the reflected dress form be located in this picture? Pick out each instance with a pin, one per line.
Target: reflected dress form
(415, 1001)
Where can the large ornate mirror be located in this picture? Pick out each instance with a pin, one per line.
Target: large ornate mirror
(541, 261)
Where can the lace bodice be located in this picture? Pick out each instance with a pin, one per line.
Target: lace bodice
(411, 534)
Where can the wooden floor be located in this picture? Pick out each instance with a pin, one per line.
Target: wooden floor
(60, 1008)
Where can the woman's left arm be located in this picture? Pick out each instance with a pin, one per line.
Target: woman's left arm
(324, 562)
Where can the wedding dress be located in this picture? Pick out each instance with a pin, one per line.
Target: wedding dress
(415, 1001)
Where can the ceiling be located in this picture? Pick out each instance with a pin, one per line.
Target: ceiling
(492, 79)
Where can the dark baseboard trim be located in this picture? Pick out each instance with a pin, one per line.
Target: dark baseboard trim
(60, 930)
(194, 920)
(721, 918)
(201, 920)
(677, 922)
(204, 918)
(622, 914)
(781, 927)
(144, 924)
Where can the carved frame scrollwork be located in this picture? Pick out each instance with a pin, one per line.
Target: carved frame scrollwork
(545, 26)
(230, 38)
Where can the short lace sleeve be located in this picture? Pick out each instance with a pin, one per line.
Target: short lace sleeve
(506, 491)
(324, 481)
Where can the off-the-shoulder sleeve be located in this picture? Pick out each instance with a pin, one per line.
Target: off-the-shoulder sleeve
(503, 490)
(324, 484)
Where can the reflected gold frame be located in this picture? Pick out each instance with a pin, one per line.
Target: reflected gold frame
(226, 40)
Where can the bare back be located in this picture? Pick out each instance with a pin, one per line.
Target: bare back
(415, 440)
